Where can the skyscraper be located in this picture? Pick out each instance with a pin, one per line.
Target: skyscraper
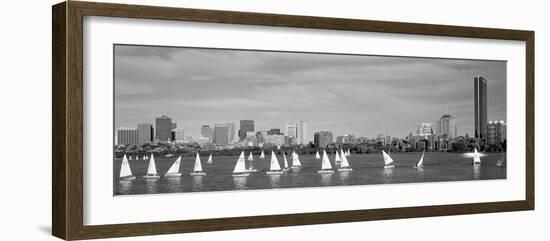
(245, 126)
(448, 126)
(221, 134)
(302, 133)
(179, 135)
(291, 129)
(424, 129)
(496, 132)
(126, 136)
(163, 128)
(231, 132)
(480, 107)
(145, 133)
(322, 139)
(208, 132)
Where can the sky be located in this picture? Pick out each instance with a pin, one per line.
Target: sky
(362, 95)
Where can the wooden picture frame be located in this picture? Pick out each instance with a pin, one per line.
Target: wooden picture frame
(67, 123)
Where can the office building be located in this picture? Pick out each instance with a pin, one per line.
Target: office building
(245, 126)
(179, 135)
(302, 133)
(496, 132)
(127, 136)
(222, 134)
(274, 131)
(207, 132)
(480, 107)
(163, 128)
(447, 126)
(291, 129)
(145, 133)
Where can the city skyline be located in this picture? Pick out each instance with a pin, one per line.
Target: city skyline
(344, 94)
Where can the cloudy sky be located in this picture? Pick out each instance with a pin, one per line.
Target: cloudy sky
(361, 95)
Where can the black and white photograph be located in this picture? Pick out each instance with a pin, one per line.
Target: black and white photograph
(190, 119)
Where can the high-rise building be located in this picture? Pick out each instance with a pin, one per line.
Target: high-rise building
(277, 140)
(179, 135)
(480, 107)
(207, 132)
(291, 129)
(222, 134)
(496, 132)
(322, 139)
(448, 126)
(231, 132)
(127, 136)
(302, 133)
(163, 128)
(424, 130)
(245, 126)
(145, 133)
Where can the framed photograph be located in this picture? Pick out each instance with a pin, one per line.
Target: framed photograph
(171, 120)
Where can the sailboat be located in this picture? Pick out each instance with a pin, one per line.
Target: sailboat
(286, 168)
(337, 157)
(209, 159)
(174, 170)
(125, 170)
(317, 155)
(295, 161)
(274, 167)
(130, 157)
(197, 170)
(344, 165)
(388, 162)
(251, 166)
(477, 158)
(250, 157)
(152, 169)
(240, 167)
(262, 155)
(349, 153)
(325, 166)
(419, 164)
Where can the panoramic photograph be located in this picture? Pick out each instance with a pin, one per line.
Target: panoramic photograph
(190, 119)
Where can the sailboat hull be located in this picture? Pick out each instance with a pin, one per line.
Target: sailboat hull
(389, 166)
(127, 178)
(245, 174)
(296, 167)
(197, 174)
(172, 175)
(325, 171)
(252, 170)
(274, 172)
(151, 176)
(348, 169)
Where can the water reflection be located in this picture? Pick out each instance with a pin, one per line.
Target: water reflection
(274, 181)
(151, 185)
(197, 183)
(240, 183)
(125, 185)
(476, 171)
(173, 184)
(344, 177)
(388, 175)
(326, 178)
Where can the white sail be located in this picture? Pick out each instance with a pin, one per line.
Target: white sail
(349, 153)
(175, 168)
(240, 167)
(344, 163)
(296, 160)
(250, 157)
(274, 165)
(387, 159)
(125, 170)
(337, 157)
(317, 155)
(285, 161)
(262, 155)
(421, 161)
(477, 157)
(152, 169)
(209, 159)
(326, 162)
(198, 165)
(130, 157)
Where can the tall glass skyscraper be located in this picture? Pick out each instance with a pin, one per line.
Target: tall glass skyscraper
(163, 128)
(480, 107)
(245, 126)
